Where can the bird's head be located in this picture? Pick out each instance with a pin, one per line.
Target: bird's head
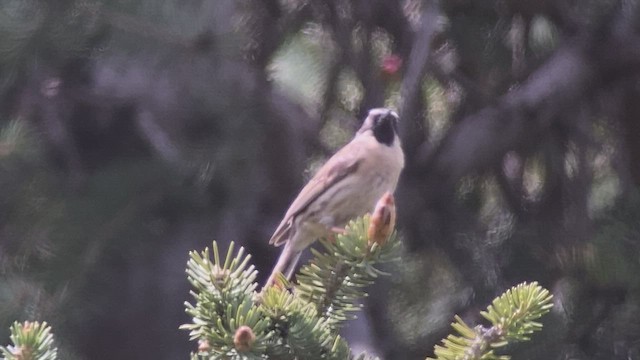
(383, 124)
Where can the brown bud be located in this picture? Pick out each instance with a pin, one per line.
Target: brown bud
(244, 338)
(383, 220)
(17, 352)
(203, 346)
(27, 327)
(22, 353)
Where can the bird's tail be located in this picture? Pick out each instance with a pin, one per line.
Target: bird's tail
(286, 264)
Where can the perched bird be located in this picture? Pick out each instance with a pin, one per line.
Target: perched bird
(348, 185)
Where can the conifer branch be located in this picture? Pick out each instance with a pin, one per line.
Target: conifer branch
(335, 280)
(224, 304)
(513, 318)
(299, 329)
(31, 341)
(232, 321)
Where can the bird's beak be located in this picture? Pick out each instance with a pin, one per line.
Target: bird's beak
(366, 125)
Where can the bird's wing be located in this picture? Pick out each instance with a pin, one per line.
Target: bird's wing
(336, 169)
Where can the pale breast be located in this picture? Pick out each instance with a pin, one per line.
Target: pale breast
(358, 193)
(378, 170)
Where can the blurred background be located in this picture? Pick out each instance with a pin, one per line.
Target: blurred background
(133, 131)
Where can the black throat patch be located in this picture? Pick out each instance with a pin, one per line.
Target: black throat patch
(384, 132)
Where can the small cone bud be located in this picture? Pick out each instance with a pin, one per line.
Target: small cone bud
(383, 220)
(244, 338)
(203, 346)
(17, 352)
(27, 327)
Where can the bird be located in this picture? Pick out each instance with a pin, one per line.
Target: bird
(348, 185)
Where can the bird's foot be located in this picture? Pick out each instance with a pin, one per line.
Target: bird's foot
(338, 230)
(333, 231)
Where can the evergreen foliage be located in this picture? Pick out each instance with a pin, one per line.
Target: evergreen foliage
(231, 320)
(166, 120)
(301, 320)
(335, 281)
(31, 341)
(284, 321)
(513, 318)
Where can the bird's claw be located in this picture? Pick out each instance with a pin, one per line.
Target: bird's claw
(338, 230)
(333, 231)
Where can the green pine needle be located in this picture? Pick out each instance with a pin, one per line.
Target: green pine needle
(231, 320)
(336, 278)
(285, 324)
(31, 341)
(299, 330)
(224, 294)
(512, 316)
